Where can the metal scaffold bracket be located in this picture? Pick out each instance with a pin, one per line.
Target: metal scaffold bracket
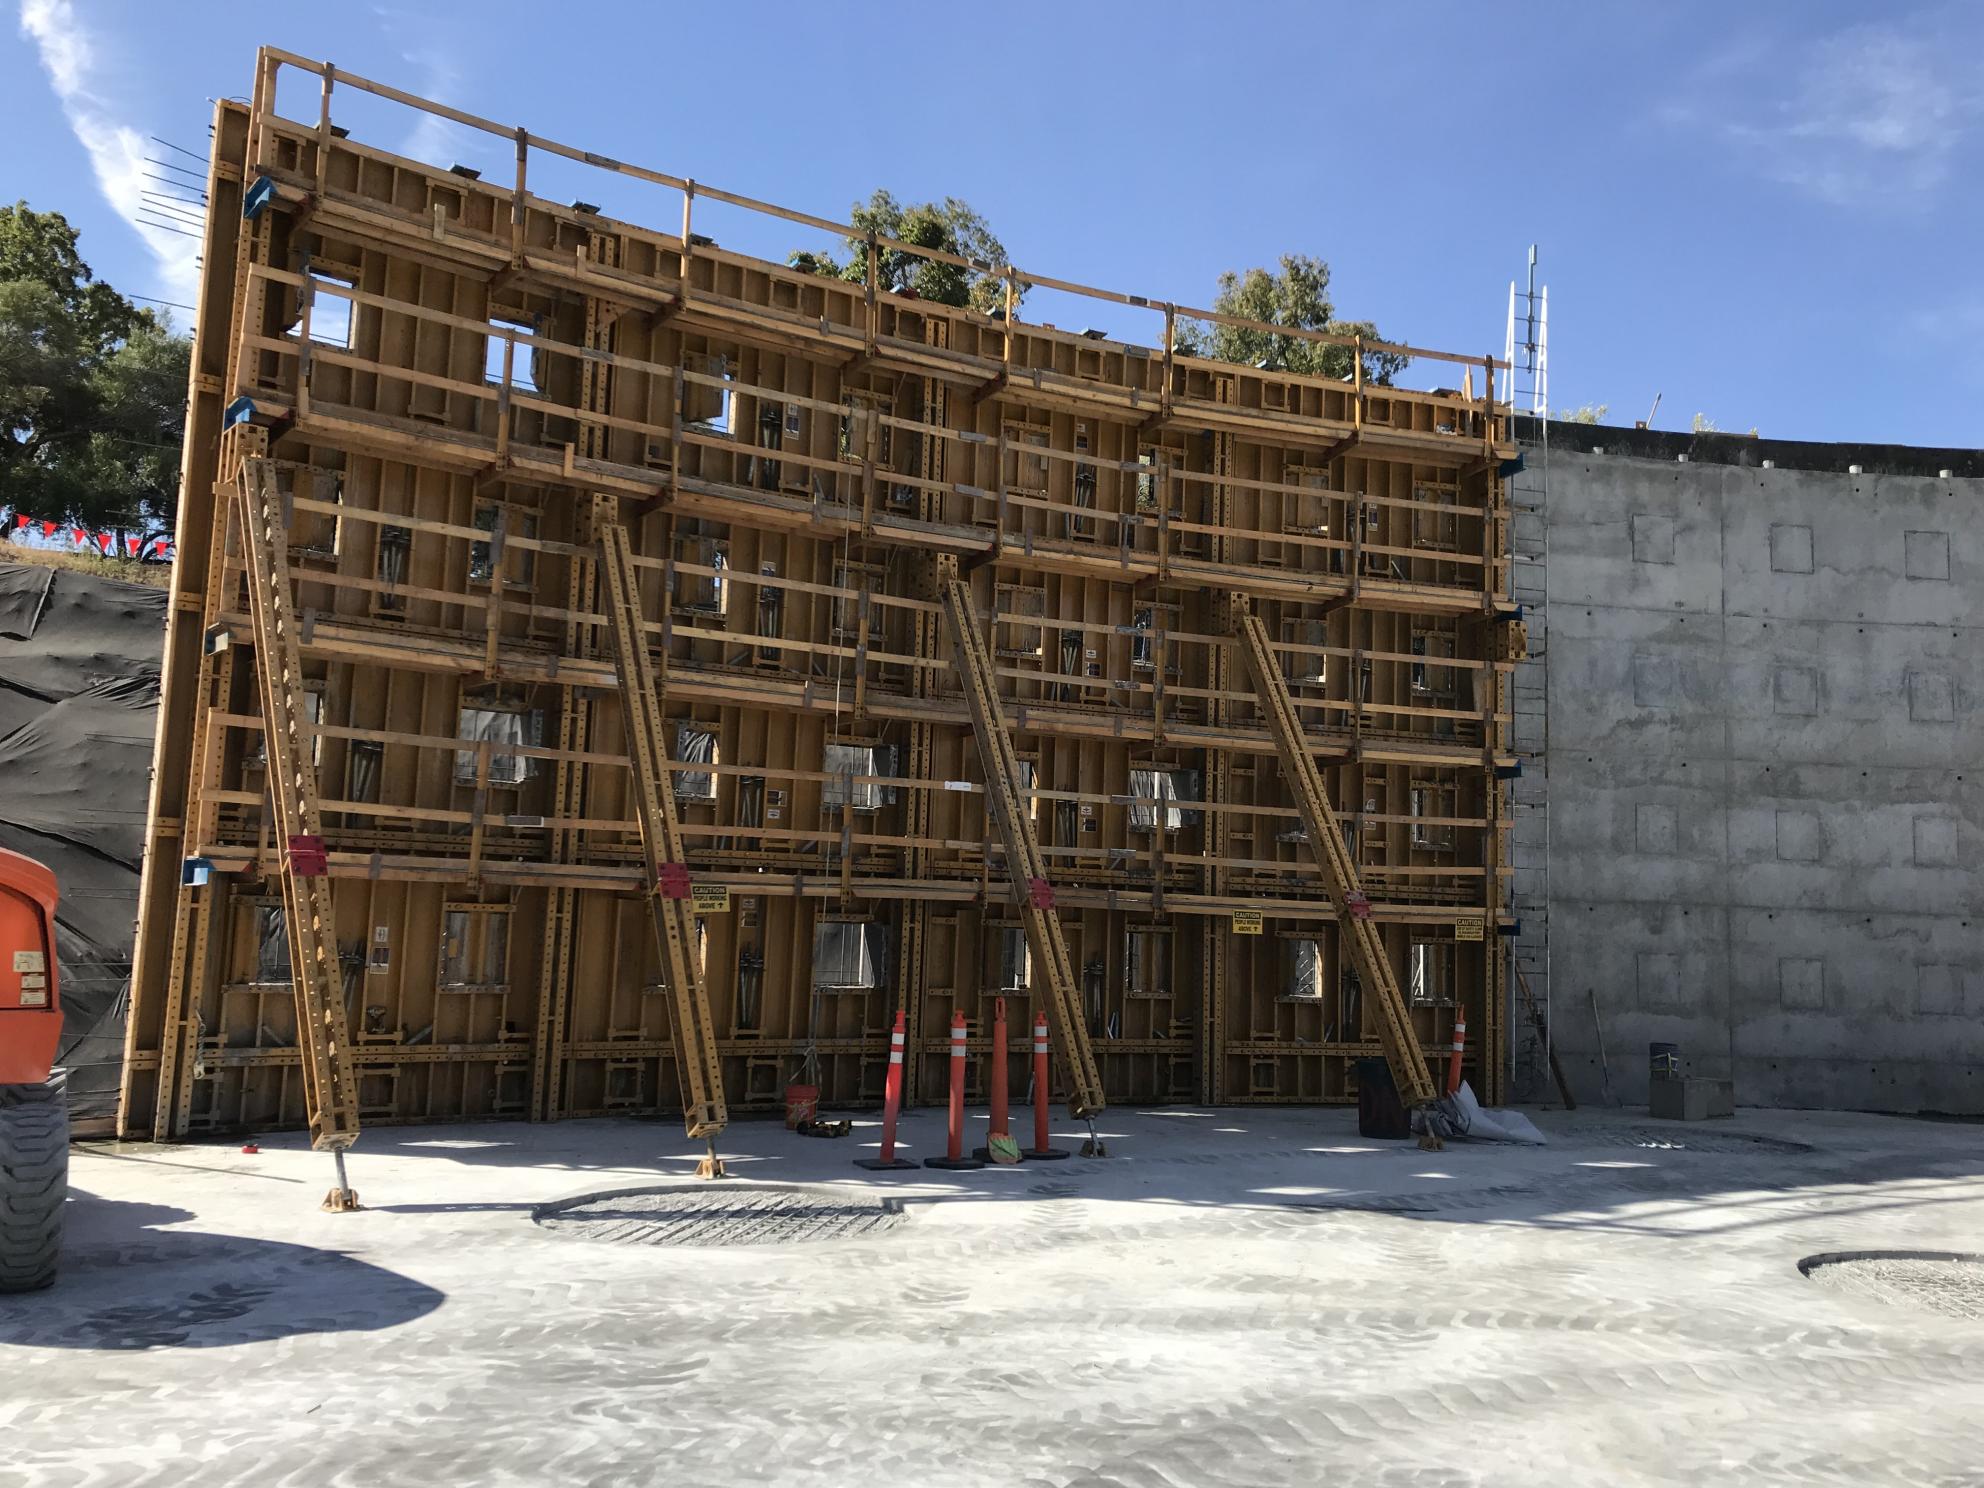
(703, 1110)
(322, 1036)
(1026, 866)
(1353, 908)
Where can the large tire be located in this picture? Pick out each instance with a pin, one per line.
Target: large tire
(34, 1180)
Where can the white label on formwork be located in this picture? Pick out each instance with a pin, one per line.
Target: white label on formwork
(28, 961)
(33, 979)
(957, 785)
(34, 999)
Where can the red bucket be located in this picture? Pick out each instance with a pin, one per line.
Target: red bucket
(802, 1103)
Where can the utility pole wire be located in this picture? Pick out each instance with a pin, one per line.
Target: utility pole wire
(180, 148)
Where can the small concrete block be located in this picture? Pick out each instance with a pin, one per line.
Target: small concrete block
(1935, 841)
(1790, 547)
(1656, 827)
(1931, 698)
(1653, 538)
(1927, 555)
(1938, 990)
(1801, 836)
(1690, 1098)
(1659, 979)
(1795, 691)
(1801, 982)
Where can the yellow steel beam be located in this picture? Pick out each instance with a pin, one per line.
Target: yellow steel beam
(1027, 868)
(1353, 909)
(330, 1091)
(703, 1109)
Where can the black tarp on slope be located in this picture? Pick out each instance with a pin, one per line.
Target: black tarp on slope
(79, 669)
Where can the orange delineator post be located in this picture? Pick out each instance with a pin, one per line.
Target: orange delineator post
(891, 1107)
(954, 1157)
(1460, 1044)
(1040, 1151)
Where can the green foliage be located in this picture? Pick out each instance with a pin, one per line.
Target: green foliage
(949, 226)
(1297, 296)
(1584, 413)
(92, 389)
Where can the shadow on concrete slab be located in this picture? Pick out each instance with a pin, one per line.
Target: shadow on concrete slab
(129, 1282)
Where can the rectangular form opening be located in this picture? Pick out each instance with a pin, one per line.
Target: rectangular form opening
(522, 356)
(850, 955)
(701, 577)
(1147, 961)
(475, 948)
(845, 761)
(271, 945)
(695, 744)
(1429, 970)
(497, 725)
(1011, 960)
(330, 313)
(1160, 791)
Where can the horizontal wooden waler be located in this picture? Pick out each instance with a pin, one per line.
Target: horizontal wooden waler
(447, 393)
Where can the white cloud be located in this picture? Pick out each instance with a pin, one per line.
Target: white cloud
(70, 56)
(1870, 113)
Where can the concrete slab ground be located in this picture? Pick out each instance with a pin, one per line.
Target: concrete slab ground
(1244, 1297)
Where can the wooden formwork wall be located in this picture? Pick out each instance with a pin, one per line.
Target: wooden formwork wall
(451, 371)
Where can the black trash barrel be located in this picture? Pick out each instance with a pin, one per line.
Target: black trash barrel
(1380, 1113)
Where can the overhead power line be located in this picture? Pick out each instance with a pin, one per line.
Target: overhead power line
(168, 227)
(180, 148)
(168, 165)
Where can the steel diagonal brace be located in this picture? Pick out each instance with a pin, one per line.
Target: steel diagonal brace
(703, 1110)
(1359, 935)
(1026, 866)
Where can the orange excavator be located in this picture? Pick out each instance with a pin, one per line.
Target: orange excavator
(34, 1107)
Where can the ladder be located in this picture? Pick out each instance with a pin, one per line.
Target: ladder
(703, 1109)
(1025, 865)
(329, 1087)
(1353, 909)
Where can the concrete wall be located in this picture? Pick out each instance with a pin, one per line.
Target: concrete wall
(1758, 824)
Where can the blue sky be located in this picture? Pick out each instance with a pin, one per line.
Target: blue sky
(1767, 213)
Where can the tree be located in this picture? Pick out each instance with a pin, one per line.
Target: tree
(950, 226)
(1586, 413)
(92, 388)
(1297, 296)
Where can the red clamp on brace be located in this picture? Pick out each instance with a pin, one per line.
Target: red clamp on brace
(1041, 892)
(672, 882)
(1358, 905)
(306, 857)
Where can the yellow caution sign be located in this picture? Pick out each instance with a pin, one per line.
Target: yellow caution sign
(1246, 922)
(709, 899)
(1467, 930)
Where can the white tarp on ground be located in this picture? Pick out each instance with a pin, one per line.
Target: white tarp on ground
(1460, 1116)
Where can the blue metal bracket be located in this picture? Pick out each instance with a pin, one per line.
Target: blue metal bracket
(258, 196)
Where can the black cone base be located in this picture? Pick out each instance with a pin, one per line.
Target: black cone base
(1041, 1154)
(953, 1164)
(884, 1164)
